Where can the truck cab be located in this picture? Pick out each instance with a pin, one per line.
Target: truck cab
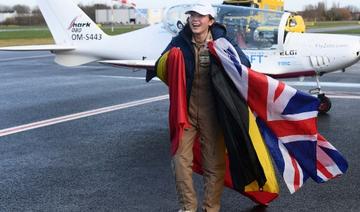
(295, 23)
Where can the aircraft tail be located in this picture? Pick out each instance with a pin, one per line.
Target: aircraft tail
(68, 23)
(71, 27)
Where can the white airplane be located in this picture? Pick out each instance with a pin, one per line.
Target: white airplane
(261, 34)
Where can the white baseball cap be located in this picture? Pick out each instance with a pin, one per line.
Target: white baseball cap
(203, 8)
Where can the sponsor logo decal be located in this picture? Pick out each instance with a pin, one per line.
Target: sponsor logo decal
(288, 53)
(79, 31)
(75, 24)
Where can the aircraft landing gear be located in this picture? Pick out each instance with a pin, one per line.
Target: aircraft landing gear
(325, 103)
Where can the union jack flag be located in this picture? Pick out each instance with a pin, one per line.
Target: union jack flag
(287, 119)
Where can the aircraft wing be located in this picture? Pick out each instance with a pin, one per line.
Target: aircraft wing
(51, 47)
(146, 64)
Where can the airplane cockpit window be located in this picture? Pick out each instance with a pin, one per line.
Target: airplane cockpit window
(175, 18)
(251, 28)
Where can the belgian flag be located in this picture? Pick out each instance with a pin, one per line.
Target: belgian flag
(249, 163)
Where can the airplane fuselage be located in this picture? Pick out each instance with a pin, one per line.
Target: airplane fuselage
(307, 54)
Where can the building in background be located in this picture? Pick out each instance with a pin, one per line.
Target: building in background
(6, 15)
(155, 15)
(128, 16)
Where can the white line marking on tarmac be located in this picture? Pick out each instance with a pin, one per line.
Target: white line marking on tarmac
(292, 83)
(24, 58)
(80, 115)
(343, 97)
(125, 77)
(323, 84)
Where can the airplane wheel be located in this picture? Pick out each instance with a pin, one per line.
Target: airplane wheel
(325, 103)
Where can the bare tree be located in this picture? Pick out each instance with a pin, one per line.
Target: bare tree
(37, 17)
(320, 12)
(35, 10)
(339, 14)
(21, 9)
(5, 9)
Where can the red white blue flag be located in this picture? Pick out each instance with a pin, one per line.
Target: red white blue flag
(287, 119)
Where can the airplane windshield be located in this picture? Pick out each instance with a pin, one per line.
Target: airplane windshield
(251, 28)
(175, 18)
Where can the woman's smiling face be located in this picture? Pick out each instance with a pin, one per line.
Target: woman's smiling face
(200, 24)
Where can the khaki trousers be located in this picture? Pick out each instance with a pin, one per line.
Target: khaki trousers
(204, 123)
(213, 162)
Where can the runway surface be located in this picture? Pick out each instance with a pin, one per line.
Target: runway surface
(333, 29)
(95, 138)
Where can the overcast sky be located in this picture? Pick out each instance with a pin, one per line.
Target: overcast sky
(292, 5)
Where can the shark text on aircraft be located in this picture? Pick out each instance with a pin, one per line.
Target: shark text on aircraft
(77, 31)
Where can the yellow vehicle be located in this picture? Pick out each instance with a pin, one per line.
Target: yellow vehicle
(295, 22)
(261, 4)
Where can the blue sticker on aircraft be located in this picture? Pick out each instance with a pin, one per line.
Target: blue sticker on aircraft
(256, 58)
(284, 63)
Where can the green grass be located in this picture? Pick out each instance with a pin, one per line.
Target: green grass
(350, 32)
(325, 24)
(329, 24)
(38, 32)
(25, 35)
(21, 27)
(28, 41)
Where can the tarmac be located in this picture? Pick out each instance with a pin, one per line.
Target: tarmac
(95, 138)
(334, 29)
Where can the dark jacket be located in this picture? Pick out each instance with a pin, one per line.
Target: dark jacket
(183, 41)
